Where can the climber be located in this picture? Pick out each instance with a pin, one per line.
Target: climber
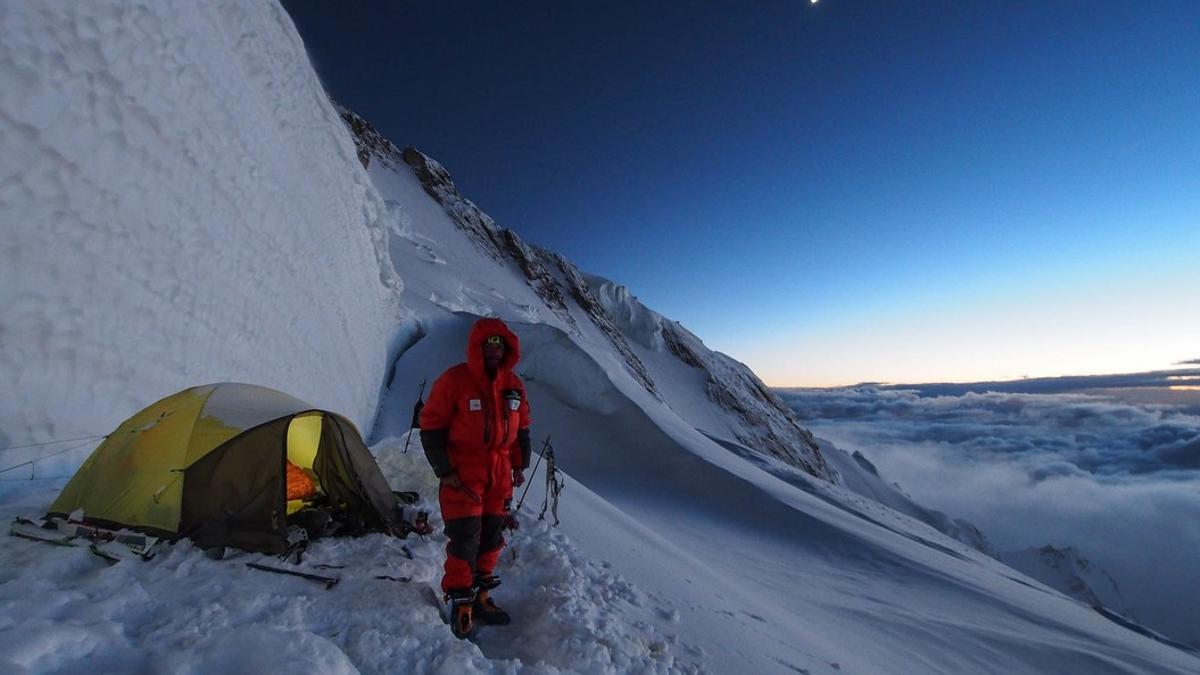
(475, 432)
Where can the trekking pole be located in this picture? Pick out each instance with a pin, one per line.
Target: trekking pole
(545, 444)
(416, 419)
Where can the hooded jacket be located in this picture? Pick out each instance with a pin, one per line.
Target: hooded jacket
(469, 417)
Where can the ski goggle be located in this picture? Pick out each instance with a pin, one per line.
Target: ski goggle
(495, 340)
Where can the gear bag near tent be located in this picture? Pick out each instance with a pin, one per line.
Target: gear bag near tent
(215, 464)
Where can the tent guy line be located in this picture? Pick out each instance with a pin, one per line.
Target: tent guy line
(35, 460)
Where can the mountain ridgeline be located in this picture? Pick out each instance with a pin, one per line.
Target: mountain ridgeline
(760, 419)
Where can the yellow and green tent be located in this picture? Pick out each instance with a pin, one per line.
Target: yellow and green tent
(209, 463)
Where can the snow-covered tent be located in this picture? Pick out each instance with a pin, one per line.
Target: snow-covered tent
(210, 463)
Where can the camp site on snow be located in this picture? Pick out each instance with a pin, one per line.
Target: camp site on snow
(224, 299)
(225, 465)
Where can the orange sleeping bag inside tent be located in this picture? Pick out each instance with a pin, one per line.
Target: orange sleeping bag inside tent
(299, 485)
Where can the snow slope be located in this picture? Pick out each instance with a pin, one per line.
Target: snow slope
(703, 529)
(780, 575)
(768, 567)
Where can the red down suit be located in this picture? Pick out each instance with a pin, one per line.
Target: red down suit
(477, 426)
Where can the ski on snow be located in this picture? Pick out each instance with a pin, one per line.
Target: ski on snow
(108, 544)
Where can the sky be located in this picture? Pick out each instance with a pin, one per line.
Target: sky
(832, 193)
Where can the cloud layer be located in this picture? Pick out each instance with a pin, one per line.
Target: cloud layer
(1120, 481)
(1155, 379)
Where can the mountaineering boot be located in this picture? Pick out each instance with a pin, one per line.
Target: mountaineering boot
(486, 582)
(461, 602)
(487, 612)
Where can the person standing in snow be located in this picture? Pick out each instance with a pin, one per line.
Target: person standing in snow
(475, 431)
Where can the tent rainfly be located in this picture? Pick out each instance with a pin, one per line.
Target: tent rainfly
(210, 463)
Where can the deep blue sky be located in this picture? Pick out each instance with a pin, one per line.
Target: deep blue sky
(845, 191)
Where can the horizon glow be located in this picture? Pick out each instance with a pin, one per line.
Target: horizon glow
(1095, 327)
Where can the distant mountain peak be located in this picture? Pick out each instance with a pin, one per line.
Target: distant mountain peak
(1068, 571)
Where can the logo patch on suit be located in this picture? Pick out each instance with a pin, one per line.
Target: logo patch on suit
(475, 404)
(513, 396)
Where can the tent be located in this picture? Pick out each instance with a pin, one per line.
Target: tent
(210, 463)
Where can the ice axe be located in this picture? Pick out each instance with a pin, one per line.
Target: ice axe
(416, 418)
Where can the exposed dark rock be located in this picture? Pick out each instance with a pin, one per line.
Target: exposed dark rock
(864, 462)
(368, 142)
(680, 349)
(505, 245)
(770, 426)
(542, 281)
(470, 219)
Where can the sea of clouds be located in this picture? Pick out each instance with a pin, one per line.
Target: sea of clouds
(1110, 474)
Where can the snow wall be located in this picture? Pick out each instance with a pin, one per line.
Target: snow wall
(180, 204)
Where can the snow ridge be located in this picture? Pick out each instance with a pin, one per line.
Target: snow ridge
(505, 246)
(581, 292)
(765, 422)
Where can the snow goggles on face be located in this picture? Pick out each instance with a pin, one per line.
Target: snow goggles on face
(496, 340)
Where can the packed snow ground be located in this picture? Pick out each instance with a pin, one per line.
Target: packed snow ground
(67, 610)
(186, 207)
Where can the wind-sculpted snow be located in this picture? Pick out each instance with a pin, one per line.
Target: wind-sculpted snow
(761, 420)
(180, 205)
(581, 292)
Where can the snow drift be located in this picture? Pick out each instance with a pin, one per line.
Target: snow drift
(180, 205)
